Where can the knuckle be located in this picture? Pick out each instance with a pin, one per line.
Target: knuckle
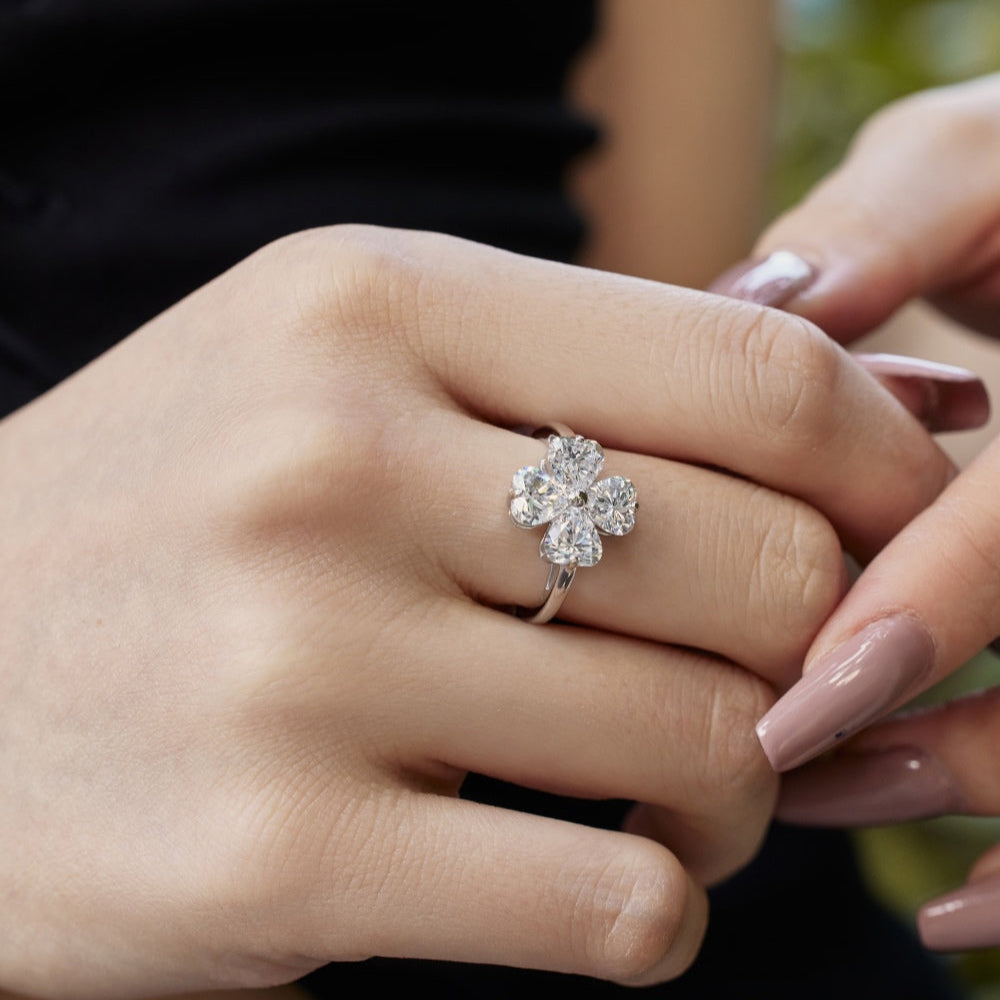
(817, 563)
(735, 777)
(800, 572)
(792, 375)
(291, 516)
(377, 275)
(352, 281)
(320, 448)
(297, 466)
(631, 920)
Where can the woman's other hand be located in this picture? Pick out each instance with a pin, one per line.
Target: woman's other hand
(252, 559)
(913, 211)
(933, 762)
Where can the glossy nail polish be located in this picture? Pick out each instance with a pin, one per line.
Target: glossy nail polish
(869, 787)
(966, 918)
(847, 688)
(772, 281)
(942, 397)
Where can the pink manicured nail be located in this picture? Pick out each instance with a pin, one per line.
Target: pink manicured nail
(768, 282)
(966, 918)
(852, 685)
(942, 397)
(869, 787)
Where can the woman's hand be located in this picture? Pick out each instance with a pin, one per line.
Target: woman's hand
(913, 211)
(928, 763)
(250, 648)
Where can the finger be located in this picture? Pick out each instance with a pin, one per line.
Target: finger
(582, 713)
(914, 210)
(941, 397)
(926, 763)
(693, 836)
(714, 562)
(665, 371)
(927, 603)
(473, 883)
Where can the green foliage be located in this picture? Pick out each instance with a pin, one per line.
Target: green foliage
(844, 59)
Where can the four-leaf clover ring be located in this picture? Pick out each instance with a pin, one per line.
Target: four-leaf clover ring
(566, 494)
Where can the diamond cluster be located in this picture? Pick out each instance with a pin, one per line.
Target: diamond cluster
(564, 495)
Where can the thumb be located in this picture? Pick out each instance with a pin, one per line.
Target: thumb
(913, 210)
(926, 603)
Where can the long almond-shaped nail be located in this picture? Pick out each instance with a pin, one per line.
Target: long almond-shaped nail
(848, 687)
(942, 397)
(772, 281)
(869, 787)
(966, 918)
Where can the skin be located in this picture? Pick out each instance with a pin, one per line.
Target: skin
(683, 93)
(697, 200)
(249, 643)
(913, 211)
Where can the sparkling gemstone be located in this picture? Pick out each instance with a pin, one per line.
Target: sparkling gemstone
(612, 505)
(535, 497)
(572, 537)
(574, 462)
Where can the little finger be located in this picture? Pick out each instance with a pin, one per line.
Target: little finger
(926, 763)
(578, 712)
(921, 764)
(467, 882)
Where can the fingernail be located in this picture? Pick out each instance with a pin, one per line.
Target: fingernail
(847, 688)
(869, 787)
(768, 282)
(966, 918)
(942, 397)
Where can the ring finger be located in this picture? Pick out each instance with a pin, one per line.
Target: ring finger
(714, 562)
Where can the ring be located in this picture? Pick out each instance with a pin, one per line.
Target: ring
(565, 494)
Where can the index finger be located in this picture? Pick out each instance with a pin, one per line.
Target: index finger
(912, 211)
(927, 603)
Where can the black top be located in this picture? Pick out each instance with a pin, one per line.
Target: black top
(149, 144)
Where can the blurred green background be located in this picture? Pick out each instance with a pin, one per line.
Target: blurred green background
(841, 61)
